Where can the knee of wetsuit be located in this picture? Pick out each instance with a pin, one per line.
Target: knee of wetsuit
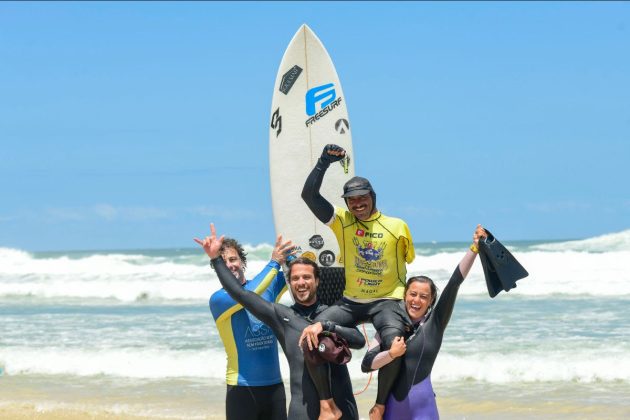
(366, 364)
(388, 334)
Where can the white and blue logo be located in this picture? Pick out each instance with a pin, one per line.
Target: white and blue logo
(320, 100)
(322, 95)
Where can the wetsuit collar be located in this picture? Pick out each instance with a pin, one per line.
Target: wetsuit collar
(308, 312)
(372, 218)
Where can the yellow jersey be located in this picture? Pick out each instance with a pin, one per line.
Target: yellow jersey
(374, 254)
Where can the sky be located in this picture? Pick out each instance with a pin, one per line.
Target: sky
(134, 125)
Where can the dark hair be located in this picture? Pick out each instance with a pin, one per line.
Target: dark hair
(427, 280)
(304, 261)
(233, 243)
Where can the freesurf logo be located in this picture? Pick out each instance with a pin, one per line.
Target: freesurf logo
(325, 96)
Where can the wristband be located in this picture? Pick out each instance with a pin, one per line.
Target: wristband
(474, 248)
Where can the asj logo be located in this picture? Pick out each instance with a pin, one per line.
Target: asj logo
(323, 95)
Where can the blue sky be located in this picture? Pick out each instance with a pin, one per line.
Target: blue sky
(133, 125)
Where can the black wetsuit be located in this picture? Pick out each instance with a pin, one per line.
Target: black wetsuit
(412, 396)
(287, 324)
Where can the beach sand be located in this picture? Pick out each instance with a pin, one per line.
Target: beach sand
(46, 399)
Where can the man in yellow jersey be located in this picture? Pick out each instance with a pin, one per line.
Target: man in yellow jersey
(374, 249)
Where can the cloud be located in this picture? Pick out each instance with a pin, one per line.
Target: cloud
(224, 213)
(106, 212)
(61, 214)
(559, 206)
(421, 211)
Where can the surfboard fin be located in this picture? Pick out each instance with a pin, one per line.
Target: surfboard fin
(500, 268)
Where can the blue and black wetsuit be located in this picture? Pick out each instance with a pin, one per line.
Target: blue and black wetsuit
(288, 323)
(254, 383)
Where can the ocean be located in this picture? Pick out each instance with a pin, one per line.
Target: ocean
(129, 333)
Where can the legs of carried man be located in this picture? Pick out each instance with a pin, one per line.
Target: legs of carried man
(320, 374)
(340, 314)
(389, 320)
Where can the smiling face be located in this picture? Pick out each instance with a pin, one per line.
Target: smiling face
(418, 299)
(234, 263)
(361, 206)
(303, 284)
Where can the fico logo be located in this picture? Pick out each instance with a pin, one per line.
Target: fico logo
(323, 95)
(362, 233)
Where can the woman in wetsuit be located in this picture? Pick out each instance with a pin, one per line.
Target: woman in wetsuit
(412, 396)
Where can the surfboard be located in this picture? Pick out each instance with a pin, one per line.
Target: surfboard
(308, 111)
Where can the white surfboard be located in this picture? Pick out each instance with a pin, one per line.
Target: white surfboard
(308, 111)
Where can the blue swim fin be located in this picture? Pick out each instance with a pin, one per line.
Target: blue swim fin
(500, 268)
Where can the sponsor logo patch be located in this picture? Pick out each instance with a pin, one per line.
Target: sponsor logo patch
(342, 126)
(276, 122)
(289, 78)
(360, 232)
(310, 255)
(319, 101)
(322, 95)
(327, 258)
(316, 241)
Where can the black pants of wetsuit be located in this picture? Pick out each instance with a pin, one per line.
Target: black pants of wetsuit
(389, 320)
(255, 402)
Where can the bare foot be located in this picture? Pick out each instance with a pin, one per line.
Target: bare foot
(328, 410)
(377, 412)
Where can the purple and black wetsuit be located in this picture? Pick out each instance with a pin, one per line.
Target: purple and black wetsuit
(412, 396)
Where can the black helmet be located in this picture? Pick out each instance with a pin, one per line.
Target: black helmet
(357, 186)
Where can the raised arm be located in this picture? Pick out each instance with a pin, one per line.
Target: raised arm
(321, 208)
(258, 306)
(444, 307)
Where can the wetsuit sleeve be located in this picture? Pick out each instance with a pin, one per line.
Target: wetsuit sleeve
(255, 304)
(270, 280)
(321, 208)
(266, 284)
(352, 335)
(444, 307)
(375, 358)
(270, 287)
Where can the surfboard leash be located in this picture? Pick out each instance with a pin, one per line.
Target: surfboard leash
(370, 376)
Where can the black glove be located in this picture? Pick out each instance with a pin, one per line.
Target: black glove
(327, 158)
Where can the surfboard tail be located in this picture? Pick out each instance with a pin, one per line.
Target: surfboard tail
(332, 283)
(501, 270)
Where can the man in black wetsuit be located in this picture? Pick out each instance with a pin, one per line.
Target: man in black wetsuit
(287, 324)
